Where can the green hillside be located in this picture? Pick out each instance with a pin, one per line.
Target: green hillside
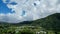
(50, 21)
(49, 24)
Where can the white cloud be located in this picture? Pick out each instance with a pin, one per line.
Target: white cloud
(42, 9)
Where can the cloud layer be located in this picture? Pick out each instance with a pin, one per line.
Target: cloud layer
(26, 10)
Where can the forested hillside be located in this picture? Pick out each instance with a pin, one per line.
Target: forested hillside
(49, 23)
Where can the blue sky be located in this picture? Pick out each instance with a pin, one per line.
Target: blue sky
(4, 9)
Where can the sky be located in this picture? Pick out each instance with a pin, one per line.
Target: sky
(3, 8)
(14, 11)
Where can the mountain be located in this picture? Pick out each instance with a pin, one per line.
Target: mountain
(54, 18)
(51, 22)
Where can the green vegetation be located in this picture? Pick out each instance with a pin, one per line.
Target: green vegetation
(51, 22)
(47, 25)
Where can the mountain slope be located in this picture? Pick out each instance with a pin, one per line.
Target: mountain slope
(51, 22)
(54, 18)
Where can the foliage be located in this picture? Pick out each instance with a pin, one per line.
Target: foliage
(49, 23)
